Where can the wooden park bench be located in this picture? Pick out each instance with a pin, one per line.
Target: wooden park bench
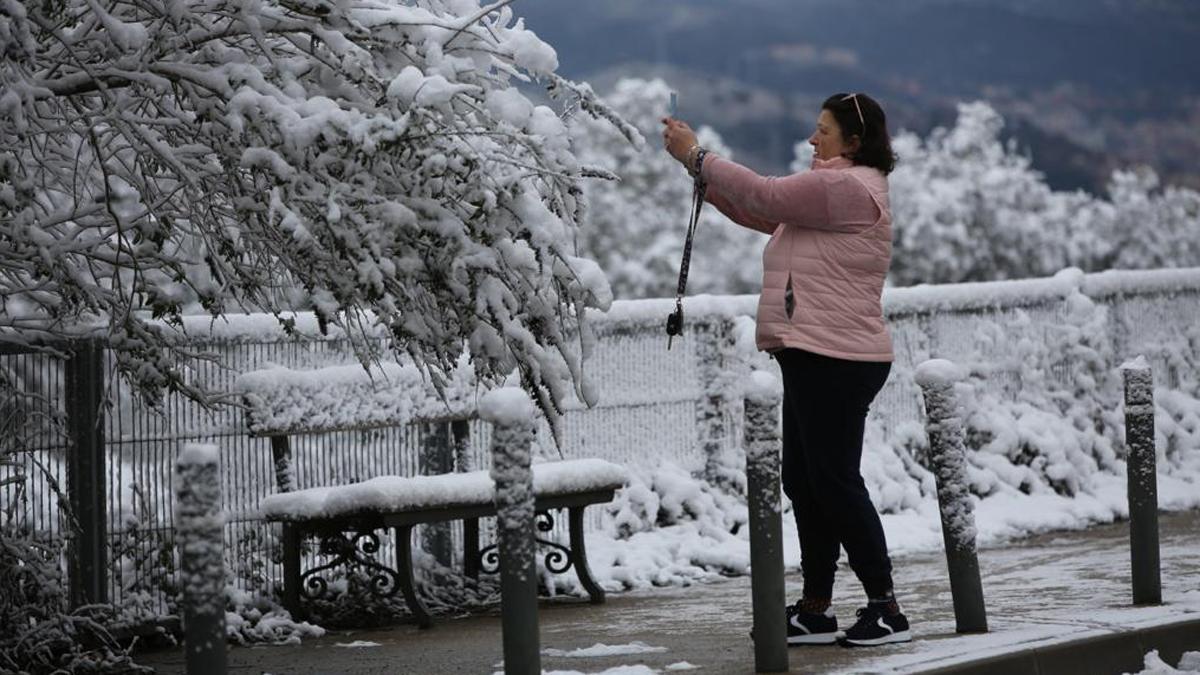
(344, 519)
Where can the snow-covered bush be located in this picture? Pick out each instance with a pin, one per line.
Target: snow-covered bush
(375, 163)
(635, 227)
(40, 634)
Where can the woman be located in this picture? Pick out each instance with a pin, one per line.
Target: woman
(820, 317)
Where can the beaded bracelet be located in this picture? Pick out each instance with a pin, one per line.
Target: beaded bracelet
(691, 157)
(698, 165)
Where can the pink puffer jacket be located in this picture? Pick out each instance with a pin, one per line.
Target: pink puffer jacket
(831, 243)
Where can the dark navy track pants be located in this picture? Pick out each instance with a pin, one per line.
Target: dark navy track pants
(825, 404)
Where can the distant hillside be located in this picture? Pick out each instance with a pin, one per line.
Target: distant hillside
(1072, 75)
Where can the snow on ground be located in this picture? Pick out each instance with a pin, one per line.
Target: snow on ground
(1189, 664)
(691, 539)
(358, 644)
(601, 649)
(639, 669)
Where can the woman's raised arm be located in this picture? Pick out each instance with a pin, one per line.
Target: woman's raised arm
(800, 199)
(729, 207)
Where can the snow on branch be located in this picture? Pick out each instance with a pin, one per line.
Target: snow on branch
(370, 163)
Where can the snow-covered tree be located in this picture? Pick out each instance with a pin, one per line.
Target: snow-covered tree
(1151, 226)
(968, 207)
(370, 161)
(635, 227)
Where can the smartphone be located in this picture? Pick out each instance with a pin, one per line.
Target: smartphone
(673, 112)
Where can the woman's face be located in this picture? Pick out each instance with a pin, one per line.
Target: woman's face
(827, 139)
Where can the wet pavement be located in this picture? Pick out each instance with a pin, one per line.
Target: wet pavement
(1041, 590)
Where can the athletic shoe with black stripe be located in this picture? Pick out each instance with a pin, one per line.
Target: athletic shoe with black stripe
(810, 628)
(876, 626)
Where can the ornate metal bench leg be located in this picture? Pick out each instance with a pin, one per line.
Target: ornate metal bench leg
(404, 567)
(579, 556)
(471, 547)
(291, 569)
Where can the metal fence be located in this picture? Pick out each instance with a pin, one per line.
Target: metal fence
(656, 406)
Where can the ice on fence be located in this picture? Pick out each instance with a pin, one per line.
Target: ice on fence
(949, 297)
(1113, 282)
(397, 492)
(694, 307)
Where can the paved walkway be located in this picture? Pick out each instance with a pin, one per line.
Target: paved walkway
(1039, 591)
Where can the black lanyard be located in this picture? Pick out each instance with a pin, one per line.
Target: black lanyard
(675, 320)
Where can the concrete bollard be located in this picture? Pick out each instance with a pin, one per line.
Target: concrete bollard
(1142, 481)
(948, 459)
(200, 536)
(511, 414)
(763, 397)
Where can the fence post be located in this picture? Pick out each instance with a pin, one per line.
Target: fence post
(84, 376)
(460, 429)
(761, 438)
(1142, 482)
(713, 341)
(200, 535)
(948, 459)
(436, 458)
(511, 414)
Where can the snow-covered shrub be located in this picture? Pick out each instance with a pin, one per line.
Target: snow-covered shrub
(40, 634)
(251, 618)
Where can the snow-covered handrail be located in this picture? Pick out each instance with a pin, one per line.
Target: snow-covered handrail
(921, 299)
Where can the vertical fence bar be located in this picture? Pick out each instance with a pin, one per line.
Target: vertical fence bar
(948, 459)
(436, 458)
(1142, 482)
(761, 432)
(511, 414)
(200, 533)
(86, 475)
(461, 431)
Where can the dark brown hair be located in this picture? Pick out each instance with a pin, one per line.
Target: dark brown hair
(875, 145)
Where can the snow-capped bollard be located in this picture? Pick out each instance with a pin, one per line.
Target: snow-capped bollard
(763, 396)
(511, 414)
(713, 340)
(1142, 482)
(948, 458)
(200, 536)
